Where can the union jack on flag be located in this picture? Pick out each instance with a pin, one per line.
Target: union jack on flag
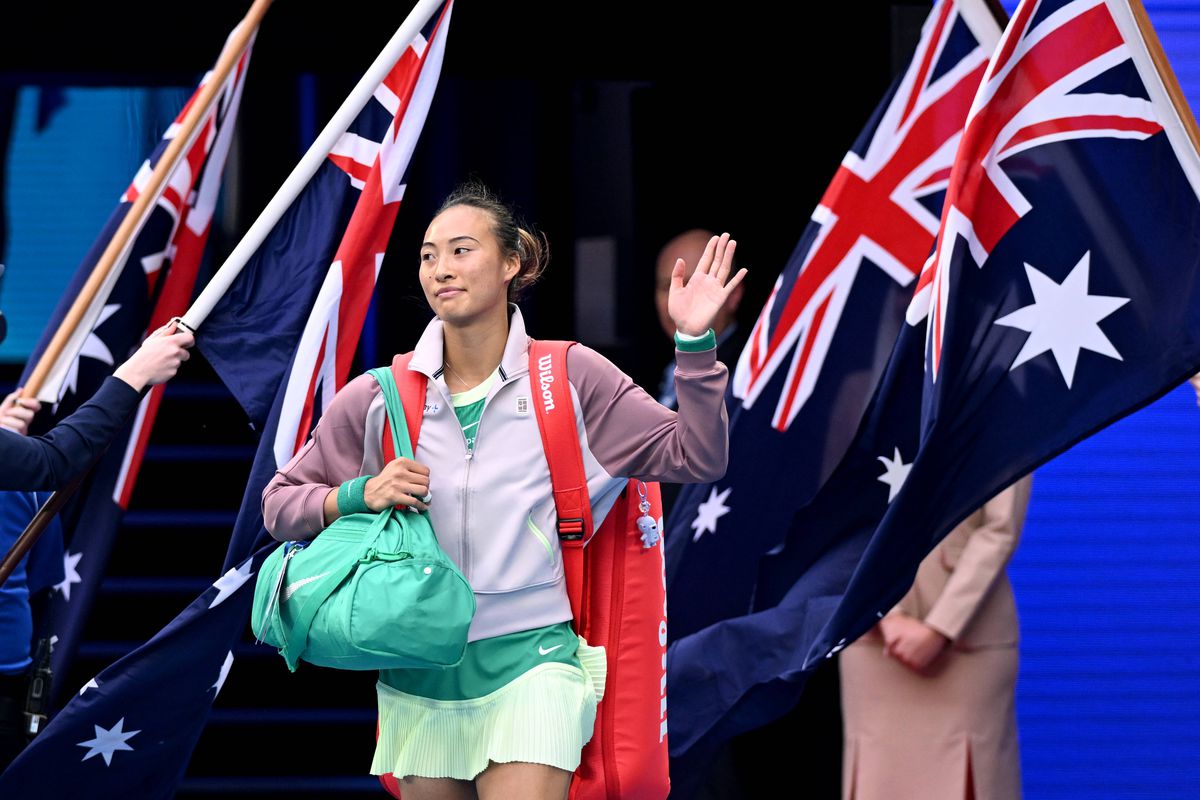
(281, 338)
(1071, 222)
(823, 337)
(816, 353)
(881, 210)
(1064, 294)
(152, 284)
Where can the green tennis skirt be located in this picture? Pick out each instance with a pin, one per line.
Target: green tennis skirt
(529, 696)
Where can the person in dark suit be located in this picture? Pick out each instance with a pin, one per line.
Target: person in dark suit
(51, 461)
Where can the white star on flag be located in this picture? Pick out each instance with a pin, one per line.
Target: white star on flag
(108, 742)
(224, 673)
(93, 347)
(708, 512)
(895, 473)
(230, 582)
(89, 685)
(70, 574)
(1063, 319)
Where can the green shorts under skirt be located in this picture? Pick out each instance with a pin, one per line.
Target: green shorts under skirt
(529, 696)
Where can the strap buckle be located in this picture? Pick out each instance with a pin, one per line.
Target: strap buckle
(570, 529)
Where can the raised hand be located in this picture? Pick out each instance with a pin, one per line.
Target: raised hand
(694, 307)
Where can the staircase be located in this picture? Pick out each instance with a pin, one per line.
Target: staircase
(272, 734)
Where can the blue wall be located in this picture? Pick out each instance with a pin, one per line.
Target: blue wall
(61, 185)
(1107, 579)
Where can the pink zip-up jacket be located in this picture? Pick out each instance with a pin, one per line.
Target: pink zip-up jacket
(493, 509)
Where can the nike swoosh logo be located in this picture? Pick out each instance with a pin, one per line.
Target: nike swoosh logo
(544, 650)
(292, 587)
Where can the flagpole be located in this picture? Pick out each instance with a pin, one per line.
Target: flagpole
(308, 165)
(121, 240)
(116, 252)
(1165, 73)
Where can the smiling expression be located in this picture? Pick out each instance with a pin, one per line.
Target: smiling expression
(464, 273)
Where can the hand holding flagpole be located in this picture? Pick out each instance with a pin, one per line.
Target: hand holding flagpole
(152, 363)
(117, 251)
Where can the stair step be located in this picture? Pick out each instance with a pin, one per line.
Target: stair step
(199, 452)
(294, 716)
(191, 586)
(180, 518)
(112, 649)
(281, 786)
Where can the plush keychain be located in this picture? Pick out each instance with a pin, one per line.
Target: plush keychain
(645, 522)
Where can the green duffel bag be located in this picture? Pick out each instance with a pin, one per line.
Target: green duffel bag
(371, 591)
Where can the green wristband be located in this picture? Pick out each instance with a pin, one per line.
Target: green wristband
(695, 344)
(351, 497)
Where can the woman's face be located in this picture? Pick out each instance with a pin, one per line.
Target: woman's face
(463, 271)
(1195, 381)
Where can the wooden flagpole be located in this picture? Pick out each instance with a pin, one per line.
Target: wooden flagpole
(119, 244)
(116, 252)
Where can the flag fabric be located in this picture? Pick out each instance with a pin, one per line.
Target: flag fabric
(824, 335)
(154, 283)
(1063, 294)
(814, 357)
(132, 728)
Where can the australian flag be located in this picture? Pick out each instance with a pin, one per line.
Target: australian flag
(152, 284)
(1062, 295)
(1064, 291)
(131, 730)
(812, 361)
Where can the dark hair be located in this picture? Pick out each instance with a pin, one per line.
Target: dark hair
(531, 248)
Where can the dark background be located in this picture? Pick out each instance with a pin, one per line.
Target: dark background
(628, 121)
(619, 121)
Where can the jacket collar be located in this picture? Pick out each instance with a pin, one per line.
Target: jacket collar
(428, 354)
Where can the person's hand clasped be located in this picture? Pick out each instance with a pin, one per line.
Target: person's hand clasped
(693, 307)
(16, 412)
(158, 359)
(911, 642)
(403, 482)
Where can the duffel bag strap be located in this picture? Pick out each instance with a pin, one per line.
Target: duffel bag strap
(411, 386)
(555, 412)
(297, 638)
(395, 440)
(396, 423)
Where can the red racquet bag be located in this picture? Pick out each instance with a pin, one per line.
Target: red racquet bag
(616, 585)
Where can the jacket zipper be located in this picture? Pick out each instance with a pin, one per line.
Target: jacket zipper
(464, 550)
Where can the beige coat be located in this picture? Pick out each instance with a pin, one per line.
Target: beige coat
(930, 736)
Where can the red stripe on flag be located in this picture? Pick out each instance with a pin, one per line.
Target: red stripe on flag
(810, 339)
(938, 177)
(1016, 30)
(355, 169)
(926, 62)
(1094, 122)
(306, 416)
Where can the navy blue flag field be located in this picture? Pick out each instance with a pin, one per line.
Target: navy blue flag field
(1062, 295)
(822, 339)
(153, 284)
(1064, 292)
(812, 363)
(1014, 383)
(131, 730)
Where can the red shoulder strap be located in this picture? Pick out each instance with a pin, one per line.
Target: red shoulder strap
(411, 385)
(555, 412)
